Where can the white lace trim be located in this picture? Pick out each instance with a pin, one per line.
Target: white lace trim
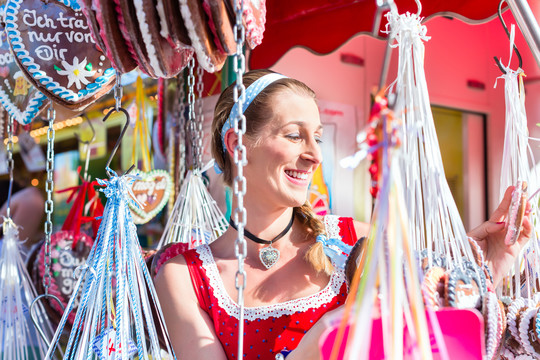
(303, 304)
(331, 223)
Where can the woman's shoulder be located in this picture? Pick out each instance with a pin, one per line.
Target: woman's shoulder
(344, 226)
(176, 253)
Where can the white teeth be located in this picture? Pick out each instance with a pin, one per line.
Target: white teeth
(297, 175)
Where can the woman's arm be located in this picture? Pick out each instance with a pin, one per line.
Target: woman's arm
(361, 229)
(490, 236)
(190, 328)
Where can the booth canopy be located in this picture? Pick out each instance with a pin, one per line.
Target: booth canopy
(324, 25)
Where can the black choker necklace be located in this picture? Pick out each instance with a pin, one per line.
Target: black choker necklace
(268, 255)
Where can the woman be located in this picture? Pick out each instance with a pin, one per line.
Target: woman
(286, 298)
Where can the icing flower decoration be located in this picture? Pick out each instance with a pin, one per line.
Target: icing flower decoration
(76, 73)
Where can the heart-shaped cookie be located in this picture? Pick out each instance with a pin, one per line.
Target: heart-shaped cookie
(152, 191)
(65, 258)
(21, 100)
(53, 45)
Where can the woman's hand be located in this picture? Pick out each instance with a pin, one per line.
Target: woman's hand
(490, 237)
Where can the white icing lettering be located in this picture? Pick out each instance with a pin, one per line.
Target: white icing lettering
(46, 53)
(150, 186)
(67, 286)
(65, 259)
(6, 59)
(31, 18)
(71, 22)
(66, 272)
(79, 37)
(44, 37)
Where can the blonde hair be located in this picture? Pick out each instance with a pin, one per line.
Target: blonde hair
(258, 115)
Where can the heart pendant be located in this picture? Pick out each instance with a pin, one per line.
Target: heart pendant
(269, 256)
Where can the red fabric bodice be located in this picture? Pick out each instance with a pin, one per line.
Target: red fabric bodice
(267, 329)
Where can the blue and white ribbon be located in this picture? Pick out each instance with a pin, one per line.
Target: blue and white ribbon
(251, 93)
(117, 294)
(335, 249)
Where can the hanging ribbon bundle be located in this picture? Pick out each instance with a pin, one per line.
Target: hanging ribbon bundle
(71, 246)
(436, 229)
(117, 296)
(86, 201)
(517, 169)
(520, 288)
(19, 339)
(196, 219)
(386, 279)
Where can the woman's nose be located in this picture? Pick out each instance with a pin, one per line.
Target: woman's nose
(313, 152)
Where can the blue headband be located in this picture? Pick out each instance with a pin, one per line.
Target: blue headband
(251, 93)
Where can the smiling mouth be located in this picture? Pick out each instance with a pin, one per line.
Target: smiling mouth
(297, 175)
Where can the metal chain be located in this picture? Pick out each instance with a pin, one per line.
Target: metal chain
(181, 167)
(200, 119)
(9, 150)
(239, 183)
(49, 205)
(118, 92)
(191, 111)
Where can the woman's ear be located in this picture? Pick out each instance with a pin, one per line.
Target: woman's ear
(230, 141)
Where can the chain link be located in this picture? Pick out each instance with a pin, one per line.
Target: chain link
(199, 134)
(181, 167)
(10, 164)
(239, 183)
(192, 130)
(49, 205)
(118, 92)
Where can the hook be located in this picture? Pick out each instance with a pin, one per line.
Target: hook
(117, 145)
(497, 61)
(87, 145)
(419, 5)
(37, 321)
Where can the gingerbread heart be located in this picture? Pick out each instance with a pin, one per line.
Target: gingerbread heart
(151, 191)
(52, 44)
(21, 100)
(65, 258)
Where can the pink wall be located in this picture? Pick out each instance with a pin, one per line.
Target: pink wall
(456, 53)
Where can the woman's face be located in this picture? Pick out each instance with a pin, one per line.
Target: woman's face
(282, 160)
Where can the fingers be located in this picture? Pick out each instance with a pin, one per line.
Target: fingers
(526, 231)
(488, 227)
(501, 211)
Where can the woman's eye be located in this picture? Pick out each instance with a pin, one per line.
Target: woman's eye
(318, 140)
(294, 137)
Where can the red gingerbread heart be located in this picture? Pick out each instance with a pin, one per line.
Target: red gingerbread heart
(52, 44)
(21, 100)
(65, 258)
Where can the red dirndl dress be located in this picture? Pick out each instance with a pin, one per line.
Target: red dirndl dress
(267, 329)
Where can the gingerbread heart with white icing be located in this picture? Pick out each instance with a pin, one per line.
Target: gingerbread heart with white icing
(53, 45)
(65, 259)
(151, 191)
(21, 100)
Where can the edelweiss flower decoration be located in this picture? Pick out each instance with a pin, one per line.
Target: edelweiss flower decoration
(76, 73)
